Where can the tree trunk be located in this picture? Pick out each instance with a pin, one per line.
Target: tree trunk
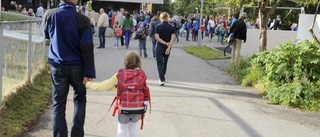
(263, 26)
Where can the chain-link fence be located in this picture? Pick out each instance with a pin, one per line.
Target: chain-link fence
(22, 51)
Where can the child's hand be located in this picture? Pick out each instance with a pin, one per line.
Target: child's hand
(85, 80)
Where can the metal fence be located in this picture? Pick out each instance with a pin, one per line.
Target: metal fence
(22, 51)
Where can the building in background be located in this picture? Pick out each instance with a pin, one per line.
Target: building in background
(129, 5)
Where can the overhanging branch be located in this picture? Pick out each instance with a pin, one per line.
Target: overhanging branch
(274, 6)
(312, 26)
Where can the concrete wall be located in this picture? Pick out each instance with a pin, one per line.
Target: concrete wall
(275, 37)
(305, 22)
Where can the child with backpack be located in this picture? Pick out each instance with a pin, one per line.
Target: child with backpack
(142, 32)
(133, 96)
(117, 34)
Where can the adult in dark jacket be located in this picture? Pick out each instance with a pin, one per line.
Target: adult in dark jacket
(239, 29)
(154, 22)
(72, 63)
(165, 35)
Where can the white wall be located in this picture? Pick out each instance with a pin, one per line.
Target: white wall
(305, 22)
(274, 38)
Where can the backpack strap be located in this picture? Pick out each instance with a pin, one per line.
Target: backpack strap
(116, 108)
(142, 121)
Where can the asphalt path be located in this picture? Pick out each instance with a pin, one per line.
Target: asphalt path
(198, 100)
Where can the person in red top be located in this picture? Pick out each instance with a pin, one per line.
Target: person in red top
(202, 29)
(113, 18)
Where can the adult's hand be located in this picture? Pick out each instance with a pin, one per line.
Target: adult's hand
(85, 80)
(168, 51)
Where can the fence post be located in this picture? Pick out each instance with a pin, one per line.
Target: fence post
(29, 53)
(1, 59)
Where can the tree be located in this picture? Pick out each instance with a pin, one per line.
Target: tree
(264, 14)
(186, 7)
(312, 26)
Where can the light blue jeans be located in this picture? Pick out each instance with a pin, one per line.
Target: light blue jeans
(142, 46)
(116, 41)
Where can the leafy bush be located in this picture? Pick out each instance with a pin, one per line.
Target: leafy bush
(290, 74)
(9, 17)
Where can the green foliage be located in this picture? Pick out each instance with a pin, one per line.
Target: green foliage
(204, 52)
(22, 108)
(290, 74)
(8, 17)
(240, 69)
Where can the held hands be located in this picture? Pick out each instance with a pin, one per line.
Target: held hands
(85, 80)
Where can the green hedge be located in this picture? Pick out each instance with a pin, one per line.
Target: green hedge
(8, 17)
(290, 74)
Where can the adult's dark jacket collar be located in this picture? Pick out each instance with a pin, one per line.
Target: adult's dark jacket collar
(67, 5)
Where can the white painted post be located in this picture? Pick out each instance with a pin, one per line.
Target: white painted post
(199, 33)
(1, 58)
(29, 53)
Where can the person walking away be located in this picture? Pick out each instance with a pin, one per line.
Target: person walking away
(234, 19)
(165, 35)
(92, 22)
(110, 13)
(132, 74)
(187, 28)
(71, 58)
(103, 23)
(212, 25)
(239, 30)
(40, 11)
(128, 28)
(117, 34)
(31, 13)
(276, 23)
(155, 21)
(177, 26)
(294, 27)
(206, 22)
(114, 14)
(222, 32)
(142, 26)
(120, 17)
(147, 17)
(195, 30)
(202, 30)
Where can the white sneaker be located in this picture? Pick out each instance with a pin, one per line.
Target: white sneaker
(161, 83)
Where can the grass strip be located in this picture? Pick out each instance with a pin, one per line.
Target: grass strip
(22, 109)
(204, 52)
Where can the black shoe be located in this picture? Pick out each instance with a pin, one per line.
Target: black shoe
(99, 47)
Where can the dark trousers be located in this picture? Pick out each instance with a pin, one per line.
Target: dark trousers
(162, 60)
(62, 77)
(187, 35)
(154, 46)
(102, 36)
(122, 40)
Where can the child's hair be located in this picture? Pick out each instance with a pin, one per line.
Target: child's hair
(117, 22)
(132, 60)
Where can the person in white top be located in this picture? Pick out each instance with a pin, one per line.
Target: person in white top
(40, 11)
(120, 18)
(212, 24)
(103, 23)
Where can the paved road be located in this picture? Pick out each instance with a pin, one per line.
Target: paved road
(199, 100)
